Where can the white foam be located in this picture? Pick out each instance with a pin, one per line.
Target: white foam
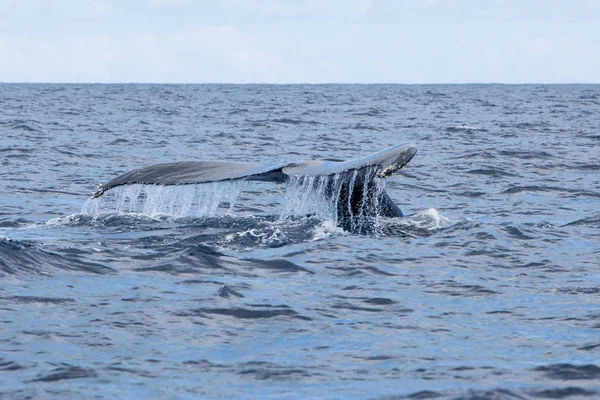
(465, 127)
(326, 229)
(429, 219)
(68, 219)
(267, 235)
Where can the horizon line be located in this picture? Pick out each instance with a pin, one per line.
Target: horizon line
(288, 83)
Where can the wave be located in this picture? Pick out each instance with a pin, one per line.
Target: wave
(18, 257)
(370, 112)
(593, 220)
(293, 121)
(27, 125)
(465, 128)
(366, 127)
(567, 372)
(526, 155)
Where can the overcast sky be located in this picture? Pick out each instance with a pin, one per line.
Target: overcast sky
(297, 41)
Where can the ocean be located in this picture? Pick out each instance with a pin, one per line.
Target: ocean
(487, 288)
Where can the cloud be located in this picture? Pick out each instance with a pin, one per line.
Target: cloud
(315, 41)
(535, 45)
(206, 54)
(82, 58)
(222, 54)
(99, 7)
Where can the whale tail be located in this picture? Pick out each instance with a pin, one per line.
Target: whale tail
(352, 183)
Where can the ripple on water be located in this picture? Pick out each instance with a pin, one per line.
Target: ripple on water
(486, 289)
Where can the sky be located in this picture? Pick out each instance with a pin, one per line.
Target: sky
(300, 41)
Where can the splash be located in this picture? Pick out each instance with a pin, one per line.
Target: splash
(201, 200)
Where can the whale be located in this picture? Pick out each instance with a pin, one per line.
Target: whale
(354, 185)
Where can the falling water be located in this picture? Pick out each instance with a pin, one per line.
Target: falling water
(199, 200)
(351, 199)
(310, 195)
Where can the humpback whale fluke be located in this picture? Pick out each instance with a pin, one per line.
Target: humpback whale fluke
(352, 183)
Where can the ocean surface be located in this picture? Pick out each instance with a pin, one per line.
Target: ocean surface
(488, 288)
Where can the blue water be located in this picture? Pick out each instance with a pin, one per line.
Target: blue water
(489, 288)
